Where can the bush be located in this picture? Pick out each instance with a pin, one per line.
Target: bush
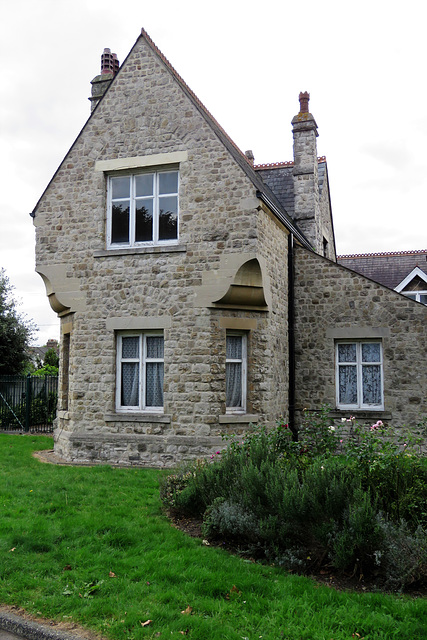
(300, 503)
(403, 557)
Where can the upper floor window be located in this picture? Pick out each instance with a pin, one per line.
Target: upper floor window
(359, 375)
(142, 209)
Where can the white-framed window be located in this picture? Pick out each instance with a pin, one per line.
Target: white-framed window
(140, 371)
(142, 209)
(236, 372)
(418, 296)
(359, 374)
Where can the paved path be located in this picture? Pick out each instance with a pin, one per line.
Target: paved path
(13, 627)
(5, 635)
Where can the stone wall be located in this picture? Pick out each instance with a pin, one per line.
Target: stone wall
(332, 303)
(144, 115)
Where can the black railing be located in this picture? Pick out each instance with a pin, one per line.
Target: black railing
(28, 403)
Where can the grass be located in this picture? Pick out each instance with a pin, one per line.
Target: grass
(92, 545)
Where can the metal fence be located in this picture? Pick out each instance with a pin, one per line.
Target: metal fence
(28, 403)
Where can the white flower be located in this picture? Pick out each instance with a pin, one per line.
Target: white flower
(331, 428)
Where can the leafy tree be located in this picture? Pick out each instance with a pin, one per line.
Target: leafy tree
(51, 358)
(16, 331)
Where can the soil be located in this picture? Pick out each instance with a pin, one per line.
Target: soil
(321, 572)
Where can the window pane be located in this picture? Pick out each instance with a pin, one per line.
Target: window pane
(168, 218)
(144, 185)
(130, 347)
(155, 346)
(371, 382)
(120, 222)
(347, 353)
(413, 296)
(423, 298)
(234, 347)
(144, 221)
(371, 352)
(168, 182)
(120, 187)
(347, 384)
(154, 384)
(130, 384)
(233, 384)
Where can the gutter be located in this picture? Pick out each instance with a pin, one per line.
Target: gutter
(291, 338)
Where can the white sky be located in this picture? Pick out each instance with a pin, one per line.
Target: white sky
(363, 64)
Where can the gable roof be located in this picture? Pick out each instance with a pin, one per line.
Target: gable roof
(416, 274)
(263, 190)
(389, 269)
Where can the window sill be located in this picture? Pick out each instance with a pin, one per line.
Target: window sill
(125, 251)
(361, 414)
(137, 417)
(238, 418)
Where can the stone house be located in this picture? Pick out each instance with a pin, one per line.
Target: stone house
(199, 293)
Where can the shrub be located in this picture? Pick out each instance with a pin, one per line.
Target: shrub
(403, 557)
(300, 503)
(231, 519)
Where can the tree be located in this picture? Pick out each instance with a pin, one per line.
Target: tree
(50, 365)
(16, 331)
(51, 358)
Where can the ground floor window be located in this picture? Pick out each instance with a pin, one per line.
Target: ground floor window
(359, 375)
(140, 371)
(235, 372)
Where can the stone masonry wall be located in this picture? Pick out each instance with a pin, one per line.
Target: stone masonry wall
(333, 302)
(144, 113)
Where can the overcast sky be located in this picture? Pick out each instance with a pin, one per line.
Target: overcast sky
(363, 64)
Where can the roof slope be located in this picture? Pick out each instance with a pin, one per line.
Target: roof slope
(388, 269)
(278, 177)
(264, 189)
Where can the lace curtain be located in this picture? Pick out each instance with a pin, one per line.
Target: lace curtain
(233, 372)
(154, 371)
(359, 360)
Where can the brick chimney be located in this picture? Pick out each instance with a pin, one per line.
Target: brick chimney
(109, 68)
(305, 173)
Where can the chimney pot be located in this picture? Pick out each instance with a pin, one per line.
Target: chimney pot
(109, 62)
(109, 68)
(304, 98)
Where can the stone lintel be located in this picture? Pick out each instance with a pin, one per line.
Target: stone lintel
(139, 162)
(240, 324)
(131, 323)
(359, 333)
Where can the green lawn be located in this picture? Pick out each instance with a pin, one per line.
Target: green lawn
(92, 545)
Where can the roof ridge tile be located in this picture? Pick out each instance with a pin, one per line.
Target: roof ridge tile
(383, 254)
